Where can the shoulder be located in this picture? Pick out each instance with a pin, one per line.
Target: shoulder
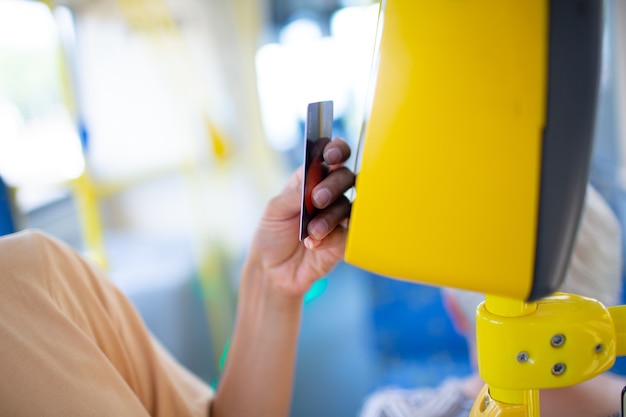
(28, 249)
(28, 239)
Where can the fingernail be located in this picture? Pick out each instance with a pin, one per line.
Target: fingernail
(332, 156)
(318, 228)
(309, 243)
(322, 197)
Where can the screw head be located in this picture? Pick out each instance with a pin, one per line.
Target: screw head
(557, 340)
(522, 357)
(558, 369)
(598, 348)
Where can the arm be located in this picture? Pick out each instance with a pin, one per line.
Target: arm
(259, 372)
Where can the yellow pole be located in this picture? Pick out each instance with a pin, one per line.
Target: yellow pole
(83, 188)
(505, 402)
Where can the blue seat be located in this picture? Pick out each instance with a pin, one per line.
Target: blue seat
(7, 219)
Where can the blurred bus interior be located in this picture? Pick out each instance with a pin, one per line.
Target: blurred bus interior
(148, 134)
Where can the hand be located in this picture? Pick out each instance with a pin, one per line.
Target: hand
(292, 266)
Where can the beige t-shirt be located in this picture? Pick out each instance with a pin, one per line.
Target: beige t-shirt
(71, 344)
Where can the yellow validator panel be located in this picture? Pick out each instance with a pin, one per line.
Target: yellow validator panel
(475, 153)
(448, 185)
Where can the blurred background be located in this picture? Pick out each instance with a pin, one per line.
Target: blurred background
(149, 134)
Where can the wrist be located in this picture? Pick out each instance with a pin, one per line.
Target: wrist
(259, 282)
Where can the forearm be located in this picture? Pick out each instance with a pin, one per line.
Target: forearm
(259, 372)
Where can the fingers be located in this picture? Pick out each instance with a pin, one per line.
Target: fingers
(336, 152)
(329, 196)
(338, 180)
(335, 239)
(330, 218)
(333, 187)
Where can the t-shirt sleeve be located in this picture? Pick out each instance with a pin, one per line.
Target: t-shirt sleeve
(73, 344)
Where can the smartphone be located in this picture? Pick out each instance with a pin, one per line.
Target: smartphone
(623, 401)
(318, 130)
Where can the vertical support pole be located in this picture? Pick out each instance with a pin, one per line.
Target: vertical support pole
(494, 401)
